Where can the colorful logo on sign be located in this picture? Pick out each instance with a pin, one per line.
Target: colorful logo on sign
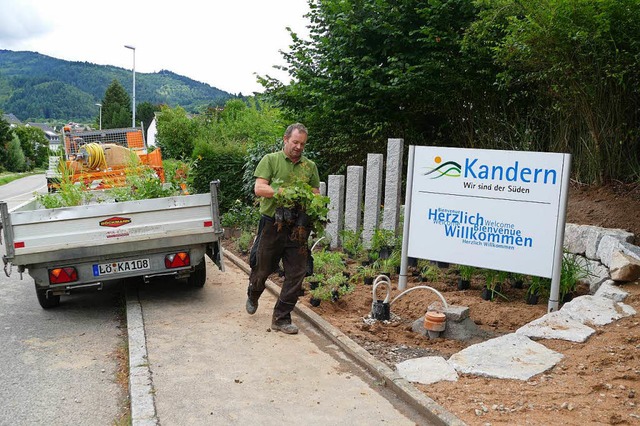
(448, 168)
(114, 222)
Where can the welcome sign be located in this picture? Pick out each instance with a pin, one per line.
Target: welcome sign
(492, 209)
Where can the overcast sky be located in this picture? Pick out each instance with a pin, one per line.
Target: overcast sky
(221, 43)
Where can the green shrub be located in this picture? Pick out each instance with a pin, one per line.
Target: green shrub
(242, 216)
(222, 162)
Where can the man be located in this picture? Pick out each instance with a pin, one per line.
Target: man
(273, 244)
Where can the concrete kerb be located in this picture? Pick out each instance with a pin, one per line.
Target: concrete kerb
(401, 387)
(141, 400)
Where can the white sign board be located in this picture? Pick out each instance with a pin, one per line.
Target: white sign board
(487, 208)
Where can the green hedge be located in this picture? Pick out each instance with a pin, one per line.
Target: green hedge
(223, 162)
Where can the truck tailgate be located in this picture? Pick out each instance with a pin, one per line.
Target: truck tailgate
(49, 234)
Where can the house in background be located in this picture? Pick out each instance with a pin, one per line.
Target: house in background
(12, 120)
(50, 133)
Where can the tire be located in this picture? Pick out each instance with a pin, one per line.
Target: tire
(47, 302)
(199, 275)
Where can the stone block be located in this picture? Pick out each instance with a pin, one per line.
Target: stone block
(623, 267)
(393, 182)
(575, 238)
(336, 209)
(452, 312)
(372, 197)
(611, 291)
(353, 198)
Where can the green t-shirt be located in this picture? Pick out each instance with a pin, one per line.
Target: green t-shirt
(278, 166)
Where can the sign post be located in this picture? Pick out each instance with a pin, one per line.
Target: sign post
(502, 210)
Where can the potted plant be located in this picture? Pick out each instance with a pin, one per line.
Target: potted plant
(492, 287)
(385, 266)
(315, 280)
(537, 287)
(368, 273)
(298, 208)
(517, 280)
(430, 273)
(466, 272)
(383, 242)
(352, 243)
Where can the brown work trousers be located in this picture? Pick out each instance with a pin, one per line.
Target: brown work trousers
(269, 248)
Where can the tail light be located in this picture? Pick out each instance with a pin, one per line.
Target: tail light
(177, 260)
(63, 275)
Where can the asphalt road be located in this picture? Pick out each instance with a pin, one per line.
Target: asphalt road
(57, 366)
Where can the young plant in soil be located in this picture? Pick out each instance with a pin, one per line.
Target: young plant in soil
(538, 287)
(367, 273)
(573, 270)
(352, 243)
(466, 272)
(492, 287)
(430, 273)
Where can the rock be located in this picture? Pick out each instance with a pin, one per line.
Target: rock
(597, 273)
(623, 267)
(512, 356)
(597, 236)
(609, 244)
(611, 291)
(575, 238)
(427, 370)
(557, 325)
(453, 312)
(596, 310)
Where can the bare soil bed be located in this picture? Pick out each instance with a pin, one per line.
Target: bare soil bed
(597, 382)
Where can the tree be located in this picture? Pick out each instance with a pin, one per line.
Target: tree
(116, 107)
(6, 135)
(15, 157)
(176, 133)
(35, 146)
(373, 70)
(145, 112)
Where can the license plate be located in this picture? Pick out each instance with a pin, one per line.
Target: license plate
(120, 267)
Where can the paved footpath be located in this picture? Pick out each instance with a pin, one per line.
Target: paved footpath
(212, 363)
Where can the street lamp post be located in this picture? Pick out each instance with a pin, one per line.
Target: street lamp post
(133, 119)
(100, 106)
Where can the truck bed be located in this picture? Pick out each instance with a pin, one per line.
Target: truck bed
(37, 235)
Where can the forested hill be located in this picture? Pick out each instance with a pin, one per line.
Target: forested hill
(36, 87)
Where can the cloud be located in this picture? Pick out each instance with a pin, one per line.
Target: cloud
(20, 20)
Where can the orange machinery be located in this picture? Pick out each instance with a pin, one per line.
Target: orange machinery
(100, 159)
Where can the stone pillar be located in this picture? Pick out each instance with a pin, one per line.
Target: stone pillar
(335, 190)
(372, 197)
(393, 185)
(323, 188)
(353, 200)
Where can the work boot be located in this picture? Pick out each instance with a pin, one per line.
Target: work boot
(251, 306)
(285, 327)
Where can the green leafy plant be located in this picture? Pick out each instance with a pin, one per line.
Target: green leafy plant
(466, 271)
(573, 271)
(430, 273)
(368, 272)
(383, 238)
(298, 196)
(141, 183)
(241, 216)
(244, 241)
(352, 243)
(492, 284)
(69, 193)
(539, 286)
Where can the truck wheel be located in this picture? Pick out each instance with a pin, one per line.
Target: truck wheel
(47, 302)
(198, 276)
